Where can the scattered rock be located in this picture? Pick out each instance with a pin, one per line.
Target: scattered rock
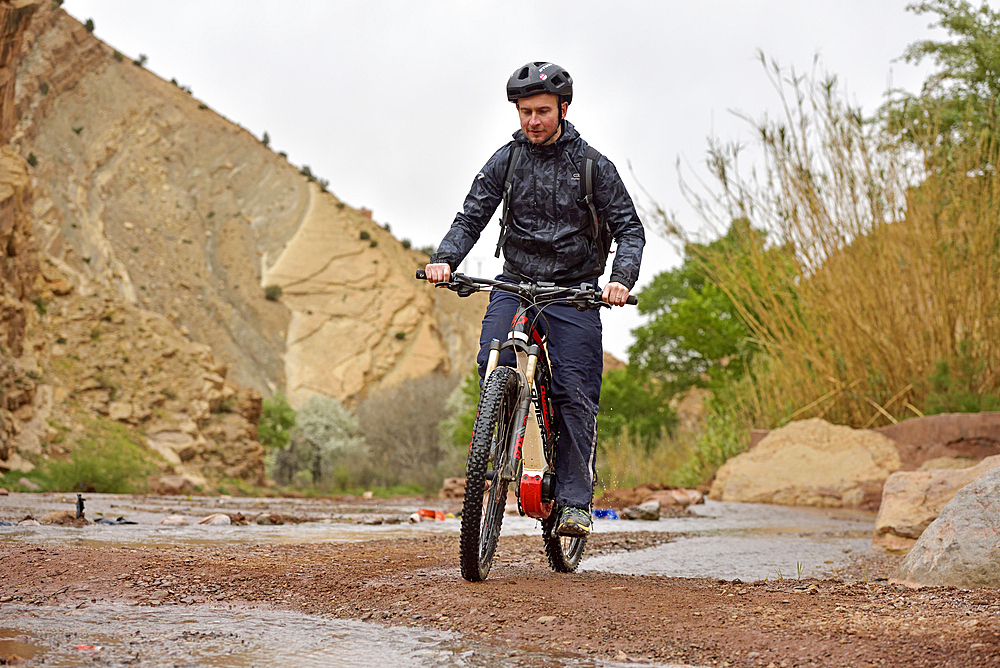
(29, 522)
(810, 463)
(269, 519)
(174, 521)
(911, 500)
(3, 492)
(65, 517)
(216, 518)
(959, 548)
(28, 485)
(644, 511)
(452, 488)
(172, 485)
(546, 619)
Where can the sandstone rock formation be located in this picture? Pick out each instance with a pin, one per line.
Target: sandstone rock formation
(144, 190)
(810, 463)
(960, 547)
(967, 435)
(920, 439)
(911, 500)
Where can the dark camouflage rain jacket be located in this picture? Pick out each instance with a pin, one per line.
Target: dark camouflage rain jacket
(549, 236)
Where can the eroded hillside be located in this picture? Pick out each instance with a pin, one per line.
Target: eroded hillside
(143, 189)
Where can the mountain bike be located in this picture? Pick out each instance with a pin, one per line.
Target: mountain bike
(516, 429)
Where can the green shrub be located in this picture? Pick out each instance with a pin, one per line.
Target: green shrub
(44, 88)
(957, 386)
(141, 60)
(32, 160)
(365, 236)
(89, 25)
(118, 56)
(373, 243)
(272, 293)
(407, 244)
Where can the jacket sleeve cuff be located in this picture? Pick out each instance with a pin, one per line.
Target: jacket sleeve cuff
(438, 258)
(618, 278)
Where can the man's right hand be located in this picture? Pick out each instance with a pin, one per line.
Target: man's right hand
(438, 273)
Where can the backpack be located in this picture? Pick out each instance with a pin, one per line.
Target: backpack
(599, 229)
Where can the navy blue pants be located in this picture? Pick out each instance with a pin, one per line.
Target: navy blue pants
(576, 355)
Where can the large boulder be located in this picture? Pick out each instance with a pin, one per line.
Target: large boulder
(960, 547)
(911, 500)
(810, 463)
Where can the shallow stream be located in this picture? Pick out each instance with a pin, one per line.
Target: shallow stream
(718, 540)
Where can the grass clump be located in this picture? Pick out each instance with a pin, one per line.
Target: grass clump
(108, 459)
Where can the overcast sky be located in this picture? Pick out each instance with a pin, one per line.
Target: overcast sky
(399, 103)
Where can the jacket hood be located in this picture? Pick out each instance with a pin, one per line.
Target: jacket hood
(569, 133)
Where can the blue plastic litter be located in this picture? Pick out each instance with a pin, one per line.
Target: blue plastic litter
(608, 514)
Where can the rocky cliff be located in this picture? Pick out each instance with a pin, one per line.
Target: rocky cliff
(73, 349)
(18, 262)
(143, 190)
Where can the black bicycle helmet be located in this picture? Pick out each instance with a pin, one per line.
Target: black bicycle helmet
(540, 77)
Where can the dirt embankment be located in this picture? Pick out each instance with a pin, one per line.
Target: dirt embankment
(415, 582)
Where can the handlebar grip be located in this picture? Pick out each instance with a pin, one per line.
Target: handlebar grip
(421, 275)
(632, 300)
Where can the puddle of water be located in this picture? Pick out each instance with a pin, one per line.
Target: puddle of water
(203, 636)
(14, 642)
(746, 541)
(748, 557)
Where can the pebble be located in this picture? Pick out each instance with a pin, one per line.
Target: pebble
(546, 619)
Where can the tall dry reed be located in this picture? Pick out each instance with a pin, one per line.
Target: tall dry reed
(882, 258)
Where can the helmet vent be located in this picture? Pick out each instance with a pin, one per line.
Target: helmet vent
(557, 80)
(523, 74)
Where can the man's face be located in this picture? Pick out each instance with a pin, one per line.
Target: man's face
(540, 117)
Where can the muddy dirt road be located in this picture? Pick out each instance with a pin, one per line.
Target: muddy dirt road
(524, 614)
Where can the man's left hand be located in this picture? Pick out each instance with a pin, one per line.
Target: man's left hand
(615, 294)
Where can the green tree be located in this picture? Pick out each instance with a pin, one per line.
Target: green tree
(632, 399)
(277, 419)
(325, 433)
(695, 330)
(958, 100)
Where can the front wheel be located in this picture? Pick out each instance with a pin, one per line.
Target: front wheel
(564, 552)
(488, 454)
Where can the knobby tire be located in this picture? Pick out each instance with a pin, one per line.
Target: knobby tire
(489, 451)
(563, 552)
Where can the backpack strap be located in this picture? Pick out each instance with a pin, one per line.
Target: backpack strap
(515, 152)
(590, 157)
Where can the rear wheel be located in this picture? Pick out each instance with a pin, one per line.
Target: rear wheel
(488, 454)
(564, 552)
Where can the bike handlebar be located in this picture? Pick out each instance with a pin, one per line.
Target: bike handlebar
(585, 295)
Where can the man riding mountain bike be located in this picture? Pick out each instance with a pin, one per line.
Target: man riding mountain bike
(550, 233)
